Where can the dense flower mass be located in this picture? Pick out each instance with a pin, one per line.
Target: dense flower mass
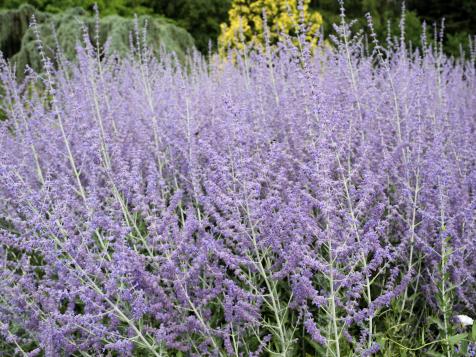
(285, 202)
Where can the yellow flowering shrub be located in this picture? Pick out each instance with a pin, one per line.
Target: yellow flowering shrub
(283, 18)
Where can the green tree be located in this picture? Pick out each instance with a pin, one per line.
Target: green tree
(460, 17)
(162, 33)
(106, 7)
(202, 18)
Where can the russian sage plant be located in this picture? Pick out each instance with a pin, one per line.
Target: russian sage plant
(285, 201)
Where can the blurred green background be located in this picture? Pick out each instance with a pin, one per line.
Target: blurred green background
(178, 24)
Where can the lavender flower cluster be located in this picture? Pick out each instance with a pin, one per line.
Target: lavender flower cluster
(270, 203)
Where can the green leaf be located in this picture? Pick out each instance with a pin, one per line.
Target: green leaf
(317, 347)
(436, 321)
(463, 350)
(473, 333)
(434, 354)
(455, 339)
